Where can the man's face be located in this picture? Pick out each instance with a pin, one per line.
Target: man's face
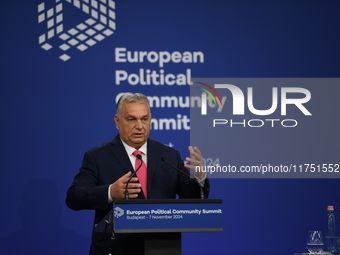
(134, 123)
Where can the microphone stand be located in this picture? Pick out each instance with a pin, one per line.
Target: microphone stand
(132, 175)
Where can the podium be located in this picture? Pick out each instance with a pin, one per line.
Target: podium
(163, 221)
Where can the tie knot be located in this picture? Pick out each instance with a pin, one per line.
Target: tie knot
(136, 153)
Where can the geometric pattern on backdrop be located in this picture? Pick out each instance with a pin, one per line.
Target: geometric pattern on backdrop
(85, 34)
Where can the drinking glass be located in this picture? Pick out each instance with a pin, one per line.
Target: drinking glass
(315, 242)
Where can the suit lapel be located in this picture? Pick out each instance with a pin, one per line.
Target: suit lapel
(153, 160)
(120, 154)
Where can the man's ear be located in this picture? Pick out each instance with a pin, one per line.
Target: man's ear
(116, 120)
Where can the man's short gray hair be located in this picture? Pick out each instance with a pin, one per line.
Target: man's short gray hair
(131, 97)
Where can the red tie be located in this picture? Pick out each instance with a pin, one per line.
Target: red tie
(141, 173)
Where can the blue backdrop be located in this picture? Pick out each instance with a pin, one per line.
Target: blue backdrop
(61, 72)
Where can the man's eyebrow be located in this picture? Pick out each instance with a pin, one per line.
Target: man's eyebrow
(132, 116)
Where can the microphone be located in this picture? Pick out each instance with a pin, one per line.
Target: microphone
(201, 189)
(132, 175)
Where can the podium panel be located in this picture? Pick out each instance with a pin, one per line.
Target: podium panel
(163, 220)
(169, 215)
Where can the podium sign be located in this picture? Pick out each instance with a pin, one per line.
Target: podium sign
(163, 220)
(170, 215)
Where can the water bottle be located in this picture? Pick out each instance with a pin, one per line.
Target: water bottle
(331, 238)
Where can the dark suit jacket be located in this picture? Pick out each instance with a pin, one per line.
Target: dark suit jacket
(105, 164)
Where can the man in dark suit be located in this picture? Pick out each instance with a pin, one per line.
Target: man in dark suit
(106, 170)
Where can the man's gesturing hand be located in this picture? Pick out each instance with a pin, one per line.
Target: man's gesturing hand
(196, 162)
(117, 189)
